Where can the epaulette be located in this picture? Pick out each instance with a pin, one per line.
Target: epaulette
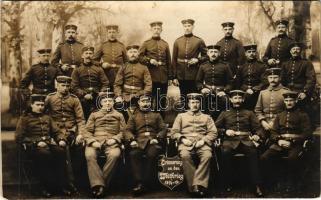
(53, 93)
(73, 95)
(197, 37)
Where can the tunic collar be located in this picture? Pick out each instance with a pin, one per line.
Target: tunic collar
(188, 35)
(280, 86)
(194, 113)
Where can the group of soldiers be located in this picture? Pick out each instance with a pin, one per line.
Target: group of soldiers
(111, 97)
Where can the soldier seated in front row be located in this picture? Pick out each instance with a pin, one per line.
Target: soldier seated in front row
(195, 133)
(242, 131)
(144, 131)
(291, 128)
(104, 132)
(44, 144)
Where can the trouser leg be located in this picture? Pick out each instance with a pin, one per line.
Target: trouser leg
(202, 173)
(188, 167)
(112, 155)
(227, 154)
(152, 152)
(136, 160)
(268, 164)
(94, 172)
(252, 160)
(60, 164)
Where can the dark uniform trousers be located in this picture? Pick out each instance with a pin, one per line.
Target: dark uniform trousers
(143, 171)
(48, 164)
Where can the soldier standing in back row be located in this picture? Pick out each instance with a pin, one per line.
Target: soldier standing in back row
(68, 54)
(250, 77)
(111, 54)
(232, 50)
(154, 53)
(88, 80)
(277, 50)
(187, 56)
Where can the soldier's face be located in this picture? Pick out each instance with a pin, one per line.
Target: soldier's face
(38, 106)
(295, 51)
(132, 54)
(289, 103)
(156, 30)
(281, 29)
(70, 34)
(188, 28)
(87, 55)
(228, 31)
(237, 101)
(250, 54)
(63, 88)
(44, 58)
(213, 54)
(274, 80)
(145, 104)
(194, 105)
(112, 34)
(107, 103)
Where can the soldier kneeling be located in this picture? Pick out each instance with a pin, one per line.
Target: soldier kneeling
(104, 132)
(44, 144)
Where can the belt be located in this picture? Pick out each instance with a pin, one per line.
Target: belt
(132, 87)
(37, 90)
(242, 133)
(147, 133)
(213, 87)
(183, 60)
(291, 136)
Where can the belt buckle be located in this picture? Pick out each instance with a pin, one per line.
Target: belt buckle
(147, 133)
(43, 137)
(90, 89)
(64, 119)
(45, 90)
(73, 66)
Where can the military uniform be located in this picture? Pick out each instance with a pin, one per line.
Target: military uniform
(67, 113)
(156, 48)
(246, 124)
(113, 52)
(232, 52)
(251, 75)
(278, 48)
(102, 126)
(185, 48)
(132, 80)
(42, 77)
(88, 79)
(142, 127)
(49, 161)
(195, 127)
(216, 76)
(68, 52)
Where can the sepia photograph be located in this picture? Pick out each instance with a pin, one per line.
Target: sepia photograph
(160, 99)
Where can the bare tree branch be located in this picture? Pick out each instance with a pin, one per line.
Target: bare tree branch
(268, 14)
(23, 6)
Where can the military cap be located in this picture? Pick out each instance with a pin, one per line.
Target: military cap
(282, 21)
(37, 97)
(194, 96)
(88, 48)
(63, 79)
(237, 93)
(290, 94)
(218, 47)
(228, 24)
(42, 51)
(107, 94)
(273, 71)
(296, 44)
(156, 23)
(71, 26)
(250, 47)
(132, 47)
(113, 27)
(188, 21)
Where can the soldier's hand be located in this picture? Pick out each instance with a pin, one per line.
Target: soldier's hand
(230, 132)
(154, 141)
(113, 65)
(187, 142)
(105, 65)
(302, 96)
(111, 142)
(193, 61)
(272, 61)
(284, 143)
(221, 94)
(134, 144)
(249, 91)
(62, 143)
(175, 82)
(119, 100)
(41, 144)
(199, 143)
(65, 67)
(96, 145)
(79, 139)
(205, 91)
(88, 97)
(266, 125)
(255, 137)
(153, 62)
